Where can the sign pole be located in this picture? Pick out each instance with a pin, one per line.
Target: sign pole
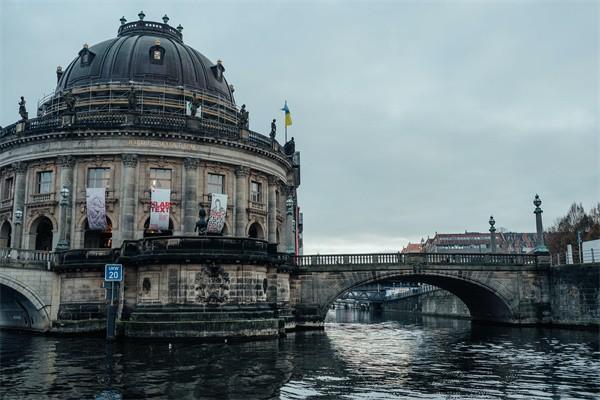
(112, 273)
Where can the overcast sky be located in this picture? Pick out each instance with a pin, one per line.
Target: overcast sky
(411, 117)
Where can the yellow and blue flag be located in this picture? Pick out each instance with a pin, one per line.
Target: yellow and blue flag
(288, 116)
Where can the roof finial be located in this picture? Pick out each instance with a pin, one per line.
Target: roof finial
(165, 19)
(123, 20)
(141, 15)
(179, 28)
(85, 46)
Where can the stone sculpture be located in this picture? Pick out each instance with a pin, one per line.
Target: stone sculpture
(23, 110)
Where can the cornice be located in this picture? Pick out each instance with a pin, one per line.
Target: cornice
(22, 139)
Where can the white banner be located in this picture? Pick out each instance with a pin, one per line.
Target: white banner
(218, 212)
(160, 205)
(96, 208)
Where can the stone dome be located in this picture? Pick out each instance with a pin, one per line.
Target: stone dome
(150, 53)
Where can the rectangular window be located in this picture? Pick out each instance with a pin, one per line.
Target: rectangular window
(7, 190)
(160, 178)
(44, 182)
(256, 192)
(215, 183)
(98, 177)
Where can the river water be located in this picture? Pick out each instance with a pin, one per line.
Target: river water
(360, 355)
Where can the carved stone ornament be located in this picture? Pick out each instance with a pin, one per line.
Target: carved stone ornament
(66, 161)
(20, 167)
(273, 180)
(242, 171)
(191, 163)
(211, 285)
(130, 160)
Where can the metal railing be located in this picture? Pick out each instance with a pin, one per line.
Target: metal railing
(587, 256)
(195, 245)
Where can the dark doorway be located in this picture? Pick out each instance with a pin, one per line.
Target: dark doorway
(256, 231)
(151, 232)
(43, 234)
(98, 239)
(5, 234)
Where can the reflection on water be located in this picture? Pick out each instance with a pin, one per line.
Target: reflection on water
(360, 355)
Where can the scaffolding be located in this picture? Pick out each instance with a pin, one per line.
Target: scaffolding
(150, 99)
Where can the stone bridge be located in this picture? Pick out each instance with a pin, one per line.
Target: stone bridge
(28, 290)
(45, 291)
(499, 288)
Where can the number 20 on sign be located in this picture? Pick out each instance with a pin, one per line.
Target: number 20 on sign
(113, 272)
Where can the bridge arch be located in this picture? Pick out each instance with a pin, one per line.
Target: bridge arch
(484, 301)
(23, 301)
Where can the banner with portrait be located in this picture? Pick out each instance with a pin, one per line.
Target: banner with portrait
(160, 205)
(218, 212)
(95, 204)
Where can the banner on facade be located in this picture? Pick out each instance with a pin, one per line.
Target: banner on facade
(95, 203)
(160, 205)
(218, 212)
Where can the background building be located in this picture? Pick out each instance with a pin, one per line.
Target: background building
(477, 242)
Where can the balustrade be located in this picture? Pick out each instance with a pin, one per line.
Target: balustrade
(42, 197)
(159, 121)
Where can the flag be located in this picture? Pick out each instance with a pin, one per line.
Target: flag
(288, 116)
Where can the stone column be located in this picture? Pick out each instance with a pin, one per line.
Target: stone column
(19, 203)
(289, 222)
(272, 210)
(66, 204)
(190, 195)
(241, 200)
(128, 214)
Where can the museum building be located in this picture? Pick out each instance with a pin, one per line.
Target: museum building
(119, 120)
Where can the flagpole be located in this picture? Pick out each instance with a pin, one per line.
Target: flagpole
(285, 127)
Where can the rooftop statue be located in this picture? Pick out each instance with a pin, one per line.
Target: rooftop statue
(244, 118)
(132, 100)
(22, 110)
(195, 104)
(202, 223)
(70, 101)
(290, 147)
(273, 130)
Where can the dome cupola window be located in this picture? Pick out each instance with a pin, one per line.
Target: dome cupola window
(157, 53)
(86, 56)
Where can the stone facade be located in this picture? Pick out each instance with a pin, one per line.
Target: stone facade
(128, 186)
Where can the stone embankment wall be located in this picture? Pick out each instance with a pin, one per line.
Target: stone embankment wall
(438, 303)
(575, 295)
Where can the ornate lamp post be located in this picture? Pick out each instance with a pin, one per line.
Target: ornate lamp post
(540, 247)
(63, 243)
(492, 234)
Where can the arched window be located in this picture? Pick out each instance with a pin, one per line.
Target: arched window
(5, 234)
(151, 232)
(98, 239)
(256, 231)
(42, 230)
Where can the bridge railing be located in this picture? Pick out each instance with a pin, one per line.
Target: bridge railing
(308, 261)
